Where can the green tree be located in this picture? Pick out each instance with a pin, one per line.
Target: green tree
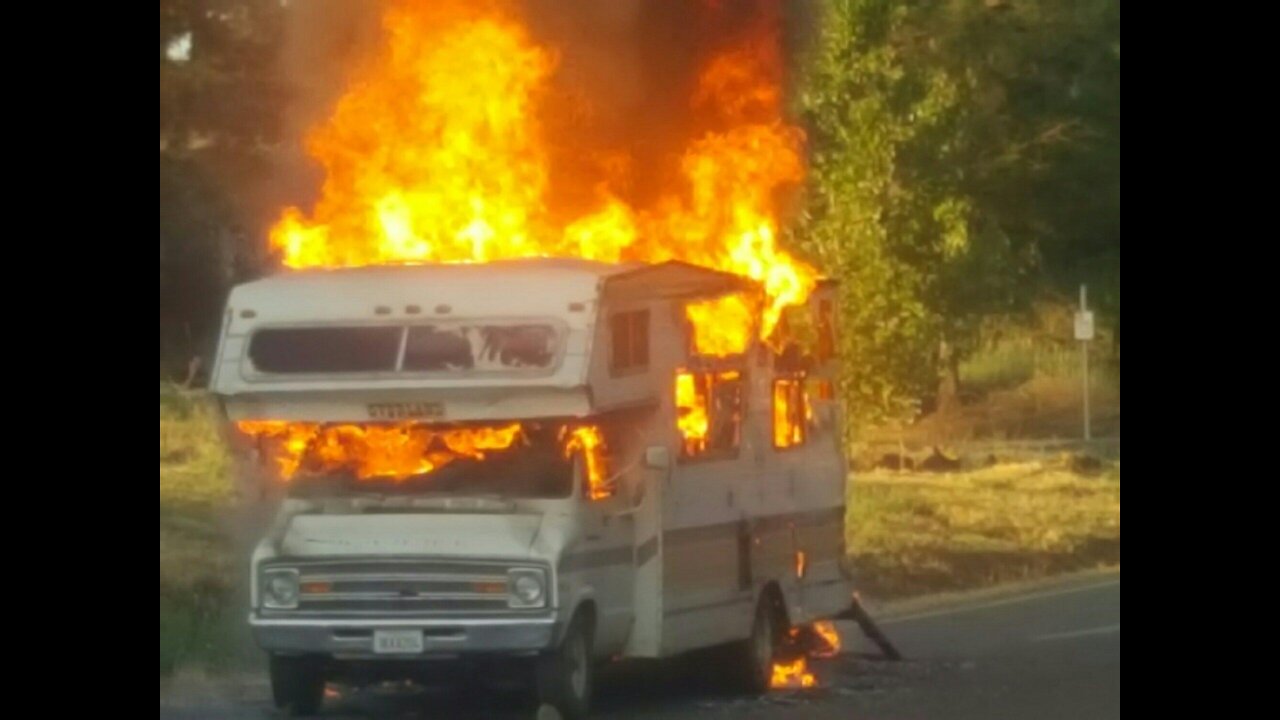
(873, 220)
(220, 106)
(961, 151)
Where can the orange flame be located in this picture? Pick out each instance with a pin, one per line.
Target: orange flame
(691, 411)
(792, 675)
(374, 451)
(437, 153)
(695, 410)
(822, 642)
(826, 630)
(401, 451)
(434, 154)
(790, 412)
(722, 326)
(588, 440)
(290, 441)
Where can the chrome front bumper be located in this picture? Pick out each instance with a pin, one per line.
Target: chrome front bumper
(353, 637)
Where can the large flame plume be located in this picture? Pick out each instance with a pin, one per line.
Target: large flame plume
(437, 153)
(722, 326)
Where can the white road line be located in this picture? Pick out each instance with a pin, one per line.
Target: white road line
(1078, 633)
(997, 603)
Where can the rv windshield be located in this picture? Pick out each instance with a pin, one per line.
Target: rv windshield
(511, 459)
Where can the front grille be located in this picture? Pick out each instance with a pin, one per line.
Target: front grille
(410, 587)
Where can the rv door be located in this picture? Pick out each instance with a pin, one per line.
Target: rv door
(607, 562)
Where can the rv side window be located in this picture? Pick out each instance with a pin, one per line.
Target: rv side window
(629, 341)
(513, 346)
(449, 347)
(429, 348)
(487, 347)
(709, 413)
(325, 349)
(791, 412)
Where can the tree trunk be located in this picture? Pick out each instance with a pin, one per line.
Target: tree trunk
(949, 383)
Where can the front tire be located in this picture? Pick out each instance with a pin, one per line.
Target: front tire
(297, 684)
(565, 676)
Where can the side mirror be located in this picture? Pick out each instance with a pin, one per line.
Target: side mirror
(657, 457)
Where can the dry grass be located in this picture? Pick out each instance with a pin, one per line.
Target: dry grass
(1024, 382)
(195, 561)
(912, 534)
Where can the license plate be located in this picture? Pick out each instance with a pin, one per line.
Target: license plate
(397, 642)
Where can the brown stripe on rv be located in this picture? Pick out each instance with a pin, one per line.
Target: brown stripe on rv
(646, 551)
(758, 525)
(595, 558)
(707, 606)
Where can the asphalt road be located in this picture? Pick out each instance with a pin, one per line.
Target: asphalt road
(1047, 653)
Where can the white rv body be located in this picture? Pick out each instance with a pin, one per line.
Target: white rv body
(676, 558)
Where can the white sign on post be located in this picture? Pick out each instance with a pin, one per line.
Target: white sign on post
(1084, 325)
(1084, 333)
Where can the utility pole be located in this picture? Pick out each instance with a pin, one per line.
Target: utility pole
(1084, 333)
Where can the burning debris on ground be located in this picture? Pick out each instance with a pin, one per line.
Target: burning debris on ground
(791, 670)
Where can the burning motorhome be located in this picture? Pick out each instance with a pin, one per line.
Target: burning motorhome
(456, 488)
(503, 432)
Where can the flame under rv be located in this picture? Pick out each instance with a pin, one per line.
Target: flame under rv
(689, 541)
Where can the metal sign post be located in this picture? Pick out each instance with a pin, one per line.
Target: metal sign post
(1084, 333)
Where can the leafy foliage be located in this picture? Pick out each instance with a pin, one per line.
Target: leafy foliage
(220, 111)
(946, 140)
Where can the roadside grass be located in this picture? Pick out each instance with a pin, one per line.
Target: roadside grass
(1019, 388)
(196, 568)
(911, 534)
(1022, 383)
(1017, 351)
(1010, 364)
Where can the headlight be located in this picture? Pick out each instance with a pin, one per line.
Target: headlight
(280, 589)
(528, 588)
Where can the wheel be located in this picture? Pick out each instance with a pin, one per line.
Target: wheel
(297, 684)
(754, 656)
(565, 674)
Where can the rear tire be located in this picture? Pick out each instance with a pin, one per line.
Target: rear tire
(565, 675)
(754, 656)
(297, 684)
